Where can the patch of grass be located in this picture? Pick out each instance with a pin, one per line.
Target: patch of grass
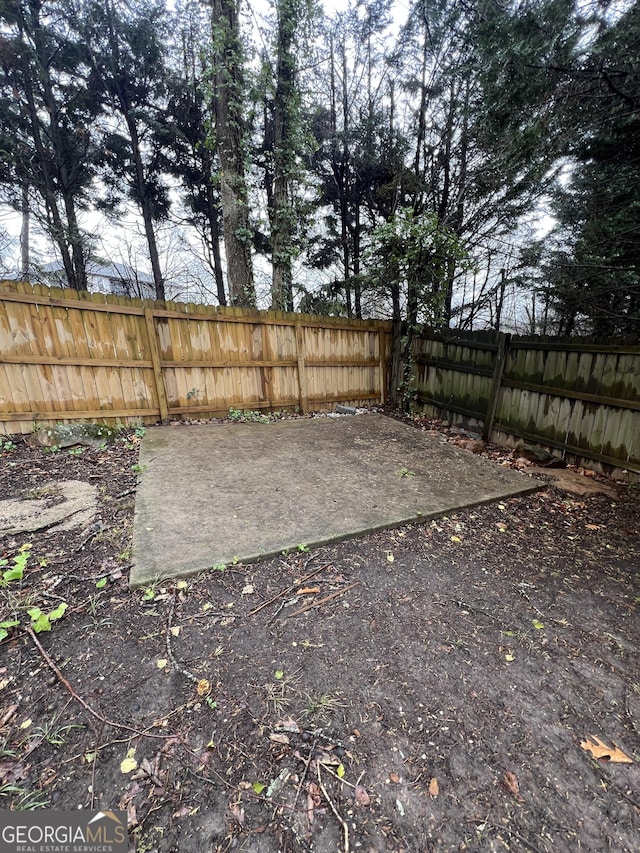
(23, 799)
(404, 472)
(51, 733)
(322, 705)
(281, 691)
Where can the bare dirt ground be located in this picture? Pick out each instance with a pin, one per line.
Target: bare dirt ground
(427, 688)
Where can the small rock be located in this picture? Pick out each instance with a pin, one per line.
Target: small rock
(539, 456)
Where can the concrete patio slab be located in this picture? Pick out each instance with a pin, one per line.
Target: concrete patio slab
(214, 493)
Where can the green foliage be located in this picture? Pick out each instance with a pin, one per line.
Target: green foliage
(404, 472)
(24, 799)
(411, 252)
(247, 416)
(41, 621)
(18, 565)
(20, 601)
(592, 261)
(6, 445)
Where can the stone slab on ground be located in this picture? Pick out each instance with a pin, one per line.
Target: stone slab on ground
(575, 483)
(56, 506)
(217, 493)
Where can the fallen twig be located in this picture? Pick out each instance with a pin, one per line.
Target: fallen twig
(94, 763)
(95, 714)
(342, 781)
(320, 601)
(287, 590)
(201, 684)
(339, 818)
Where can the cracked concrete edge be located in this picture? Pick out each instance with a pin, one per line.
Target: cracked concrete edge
(139, 579)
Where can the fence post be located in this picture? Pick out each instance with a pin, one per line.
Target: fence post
(496, 383)
(302, 374)
(154, 351)
(383, 367)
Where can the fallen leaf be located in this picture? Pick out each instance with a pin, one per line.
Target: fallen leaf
(183, 811)
(434, 788)
(393, 777)
(128, 764)
(203, 688)
(162, 663)
(132, 816)
(537, 624)
(258, 787)
(12, 772)
(7, 714)
(390, 557)
(340, 771)
(125, 800)
(603, 752)
(456, 539)
(181, 585)
(510, 782)
(279, 674)
(238, 812)
(175, 631)
(308, 590)
(26, 724)
(361, 796)
(279, 738)
(247, 590)
(509, 658)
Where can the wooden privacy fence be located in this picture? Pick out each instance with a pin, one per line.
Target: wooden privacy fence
(66, 355)
(577, 395)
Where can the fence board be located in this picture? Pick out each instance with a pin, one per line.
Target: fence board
(66, 356)
(577, 396)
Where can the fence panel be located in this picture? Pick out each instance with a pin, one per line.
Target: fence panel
(579, 396)
(66, 356)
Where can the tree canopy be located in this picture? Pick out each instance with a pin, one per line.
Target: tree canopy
(425, 162)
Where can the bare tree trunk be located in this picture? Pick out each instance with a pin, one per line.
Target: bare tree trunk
(229, 138)
(284, 119)
(25, 258)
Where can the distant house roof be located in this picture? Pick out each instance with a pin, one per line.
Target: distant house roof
(108, 278)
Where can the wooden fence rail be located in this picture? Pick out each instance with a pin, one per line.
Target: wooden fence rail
(66, 355)
(577, 396)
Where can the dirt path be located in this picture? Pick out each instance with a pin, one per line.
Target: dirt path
(427, 688)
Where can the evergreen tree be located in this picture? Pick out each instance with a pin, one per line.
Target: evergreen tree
(127, 48)
(594, 266)
(47, 149)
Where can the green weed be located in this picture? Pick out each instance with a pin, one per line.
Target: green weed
(22, 601)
